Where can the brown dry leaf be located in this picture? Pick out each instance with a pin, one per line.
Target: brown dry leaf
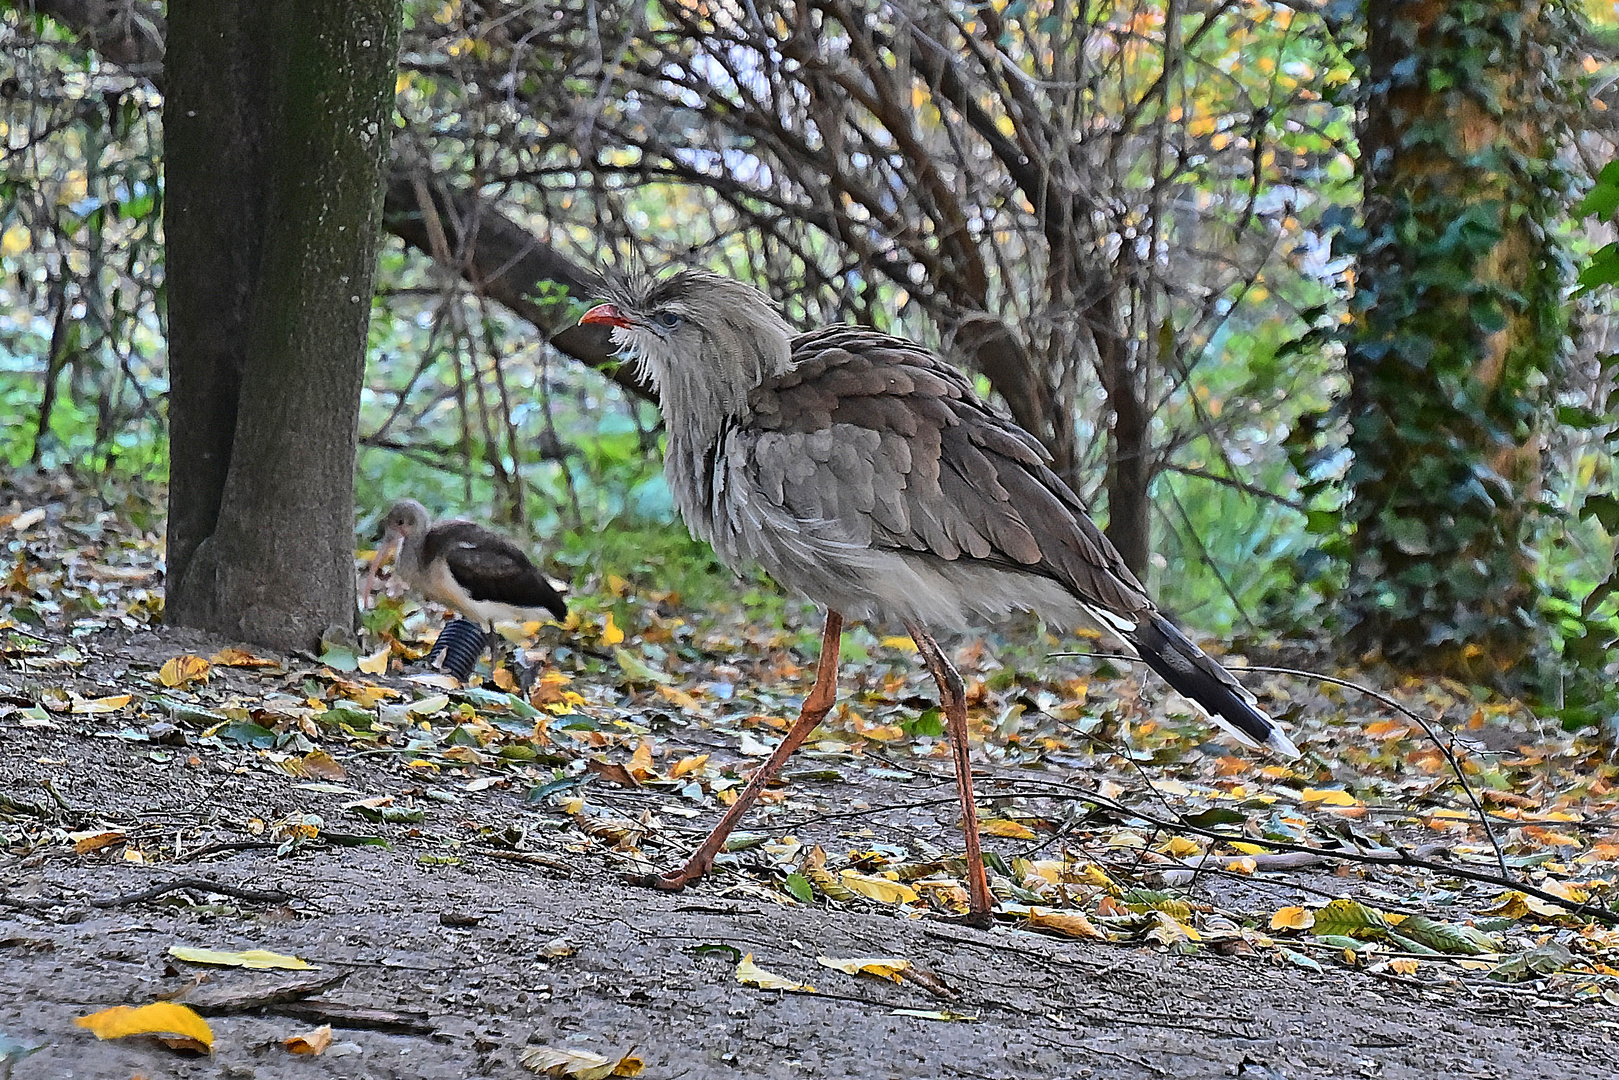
(889, 892)
(750, 974)
(251, 958)
(1405, 965)
(322, 766)
(240, 658)
(85, 843)
(1070, 923)
(883, 967)
(578, 1064)
(1010, 829)
(312, 1043)
(613, 773)
(179, 671)
(1292, 918)
(158, 1018)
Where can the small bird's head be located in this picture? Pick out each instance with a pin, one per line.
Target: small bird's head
(705, 340)
(404, 519)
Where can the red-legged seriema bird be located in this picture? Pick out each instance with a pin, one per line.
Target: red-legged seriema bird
(473, 571)
(865, 473)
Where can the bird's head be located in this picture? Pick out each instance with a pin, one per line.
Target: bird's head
(405, 518)
(705, 340)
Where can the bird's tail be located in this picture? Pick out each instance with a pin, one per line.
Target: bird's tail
(1201, 679)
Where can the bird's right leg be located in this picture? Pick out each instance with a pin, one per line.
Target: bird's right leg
(817, 704)
(953, 699)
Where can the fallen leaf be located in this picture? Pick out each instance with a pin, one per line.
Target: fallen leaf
(239, 658)
(183, 670)
(1010, 829)
(100, 705)
(903, 643)
(376, 663)
(640, 765)
(686, 765)
(252, 958)
(1292, 918)
(1328, 797)
(679, 698)
(321, 765)
(85, 843)
(889, 892)
(934, 1014)
(158, 1018)
(1405, 965)
(611, 634)
(1069, 923)
(578, 1064)
(884, 967)
(750, 974)
(310, 1042)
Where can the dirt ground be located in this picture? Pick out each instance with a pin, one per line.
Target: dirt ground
(485, 928)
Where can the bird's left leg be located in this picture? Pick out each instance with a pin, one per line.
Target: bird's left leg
(817, 703)
(953, 699)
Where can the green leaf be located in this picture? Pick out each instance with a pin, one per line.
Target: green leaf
(1349, 918)
(798, 885)
(1214, 816)
(247, 733)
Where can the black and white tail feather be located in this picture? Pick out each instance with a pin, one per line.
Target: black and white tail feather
(1201, 680)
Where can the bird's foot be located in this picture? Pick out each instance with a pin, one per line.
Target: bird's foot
(671, 882)
(981, 920)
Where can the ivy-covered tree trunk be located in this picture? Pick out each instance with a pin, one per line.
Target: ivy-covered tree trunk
(276, 122)
(1457, 327)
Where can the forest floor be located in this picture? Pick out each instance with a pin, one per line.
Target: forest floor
(447, 864)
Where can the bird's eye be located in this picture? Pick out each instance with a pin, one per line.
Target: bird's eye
(667, 319)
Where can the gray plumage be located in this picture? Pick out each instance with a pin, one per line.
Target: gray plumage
(863, 472)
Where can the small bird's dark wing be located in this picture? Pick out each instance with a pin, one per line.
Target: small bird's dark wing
(490, 567)
(881, 436)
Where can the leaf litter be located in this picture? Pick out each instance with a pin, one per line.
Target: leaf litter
(1111, 814)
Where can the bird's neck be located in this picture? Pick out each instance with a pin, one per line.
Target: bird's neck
(408, 563)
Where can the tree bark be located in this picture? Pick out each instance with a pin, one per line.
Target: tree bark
(1457, 331)
(277, 116)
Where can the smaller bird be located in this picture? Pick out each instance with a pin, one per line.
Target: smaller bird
(471, 570)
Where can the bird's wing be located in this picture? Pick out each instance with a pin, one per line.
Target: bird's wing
(881, 437)
(490, 567)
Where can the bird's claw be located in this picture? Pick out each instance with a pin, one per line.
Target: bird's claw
(980, 920)
(673, 882)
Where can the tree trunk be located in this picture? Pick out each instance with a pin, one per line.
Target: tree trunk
(276, 122)
(1457, 330)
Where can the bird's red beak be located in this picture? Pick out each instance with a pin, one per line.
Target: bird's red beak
(604, 315)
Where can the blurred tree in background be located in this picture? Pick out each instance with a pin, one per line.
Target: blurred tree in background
(1120, 216)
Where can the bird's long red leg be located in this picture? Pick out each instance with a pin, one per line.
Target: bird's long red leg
(816, 705)
(953, 699)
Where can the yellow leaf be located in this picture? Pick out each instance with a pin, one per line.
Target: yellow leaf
(1002, 827)
(901, 642)
(15, 240)
(310, 1042)
(85, 843)
(686, 765)
(1292, 918)
(1071, 923)
(750, 974)
(376, 663)
(1245, 865)
(101, 705)
(1404, 966)
(1180, 847)
(889, 892)
(640, 765)
(239, 658)
(252, 958)
(181, 671)
(1328, 797)
(611, 635)
(578, 1064)
(158, 1018)
(1564, 891)
(884, 967)
(322, 766)
(679, 698)
(1170, 930)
